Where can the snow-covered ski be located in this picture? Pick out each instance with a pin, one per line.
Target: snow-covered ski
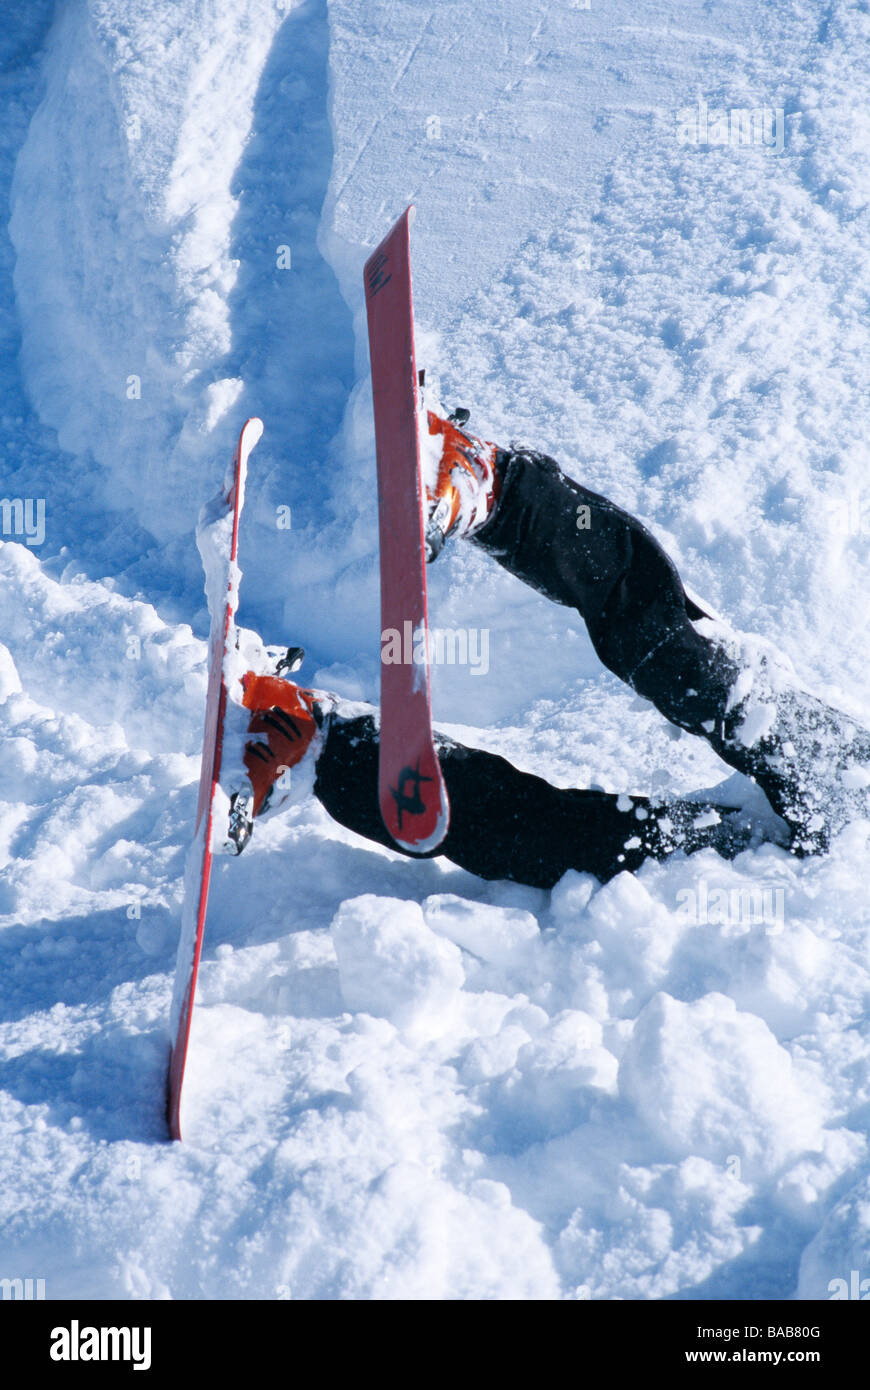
(413, 798)
(217, 538)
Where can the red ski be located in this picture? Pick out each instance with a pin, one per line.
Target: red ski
(413, 798)
(218, 539)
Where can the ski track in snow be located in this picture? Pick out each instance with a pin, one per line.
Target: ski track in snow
(405, 1082)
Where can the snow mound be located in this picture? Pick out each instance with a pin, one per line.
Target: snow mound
(715, 1082)
(392, 965)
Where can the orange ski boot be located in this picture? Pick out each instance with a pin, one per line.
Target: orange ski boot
(461, 476)
(284, 723)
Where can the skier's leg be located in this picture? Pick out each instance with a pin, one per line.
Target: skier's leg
(579, 549)
(505, 823)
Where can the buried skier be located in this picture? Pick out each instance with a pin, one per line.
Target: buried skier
(577, 548)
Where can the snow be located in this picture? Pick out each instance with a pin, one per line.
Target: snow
(404, 1082)
(392, 965)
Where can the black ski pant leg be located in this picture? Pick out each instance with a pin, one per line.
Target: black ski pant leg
(508, 824)
(581, 550)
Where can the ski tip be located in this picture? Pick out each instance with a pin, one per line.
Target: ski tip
(411, 213)
(252, 430)
(426, 825)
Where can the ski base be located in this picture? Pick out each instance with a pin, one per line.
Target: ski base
(412, 795)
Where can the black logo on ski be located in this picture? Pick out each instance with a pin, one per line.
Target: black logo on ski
(376, 279)
(413, 803)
